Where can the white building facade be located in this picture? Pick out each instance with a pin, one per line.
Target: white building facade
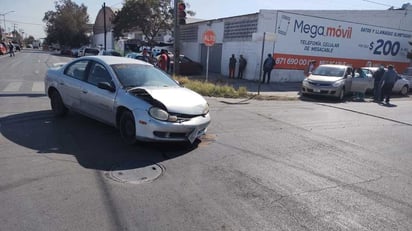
(357, 38)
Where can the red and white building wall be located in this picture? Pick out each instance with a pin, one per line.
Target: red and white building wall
(357, 38)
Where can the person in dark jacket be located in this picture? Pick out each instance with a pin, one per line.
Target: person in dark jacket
(377, 78)
(232, 66)
(267, 67)
(11, 49)
(242, 66)
(388, 80)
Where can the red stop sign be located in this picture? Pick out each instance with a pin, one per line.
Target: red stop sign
(209, 38)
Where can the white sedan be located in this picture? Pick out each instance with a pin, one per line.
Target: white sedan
(401, 86)
(142, 101)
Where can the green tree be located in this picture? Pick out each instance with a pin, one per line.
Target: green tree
(67, 25)
(148, 16)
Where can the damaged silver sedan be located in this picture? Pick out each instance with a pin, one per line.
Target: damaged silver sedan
(143, 102)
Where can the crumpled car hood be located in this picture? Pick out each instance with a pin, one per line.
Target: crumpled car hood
(179, 100)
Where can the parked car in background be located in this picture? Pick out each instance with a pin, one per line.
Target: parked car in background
(66, 51)
(187, 66)
(75, 52)
(110, 52)
(91, 51)
(401, 86)
(16, 47)
(407, 74)
(87, 51)
(143, 102)
(329, 80)
(3, 49)
(139, 56)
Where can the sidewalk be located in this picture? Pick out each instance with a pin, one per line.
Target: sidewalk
(279, 89)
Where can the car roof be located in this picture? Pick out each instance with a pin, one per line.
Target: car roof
(373, 68)
(110, 60)
(335, 65)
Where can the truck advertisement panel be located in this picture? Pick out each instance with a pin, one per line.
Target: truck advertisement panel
(301, 38)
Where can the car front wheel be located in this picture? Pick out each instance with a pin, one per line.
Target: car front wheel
(128, 128)
(57, 105)
(342, 94)
(404, 90)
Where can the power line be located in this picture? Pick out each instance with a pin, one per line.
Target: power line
(27, 23)
(377, 3)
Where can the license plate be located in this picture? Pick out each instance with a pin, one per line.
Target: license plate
(192, 137)
(316, 90)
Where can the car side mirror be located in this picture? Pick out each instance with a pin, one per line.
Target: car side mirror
(106, 86)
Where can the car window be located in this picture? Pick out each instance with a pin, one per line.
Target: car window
(77, 70)
(329, 71)
(91, 51)
(138, 75)
(98, 73)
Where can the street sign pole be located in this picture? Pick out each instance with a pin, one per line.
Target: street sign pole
(176, 44)
(207, 63)
(209, 39)
(261, 62)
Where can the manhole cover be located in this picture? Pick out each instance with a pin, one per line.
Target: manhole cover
(142, 172)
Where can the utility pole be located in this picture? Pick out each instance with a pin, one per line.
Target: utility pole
(104, 22)
(176, 46)
(14, 30)
(4, 20)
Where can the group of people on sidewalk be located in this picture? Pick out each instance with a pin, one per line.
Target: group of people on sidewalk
(268, 66)
(383, 83)
(232, 66)
(384, 80)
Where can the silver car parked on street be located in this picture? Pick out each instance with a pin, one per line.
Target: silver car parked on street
(142, 101)
(329, 80)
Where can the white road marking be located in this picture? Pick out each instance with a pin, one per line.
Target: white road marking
(13, 86)
(38, 86)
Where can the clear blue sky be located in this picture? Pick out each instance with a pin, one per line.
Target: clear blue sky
(28, 14)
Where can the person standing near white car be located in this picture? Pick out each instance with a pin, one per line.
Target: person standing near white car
(377, 78)
(389, 79)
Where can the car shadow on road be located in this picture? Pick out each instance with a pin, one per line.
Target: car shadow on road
(348, 98)
(94, 144)
(387, 104)
(323, 99)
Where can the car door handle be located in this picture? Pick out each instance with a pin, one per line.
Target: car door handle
(61, 83)
(85, 91)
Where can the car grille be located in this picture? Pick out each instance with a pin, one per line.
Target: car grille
(319, 84)
(184, 117)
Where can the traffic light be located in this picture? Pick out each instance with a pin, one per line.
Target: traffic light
(182, 13)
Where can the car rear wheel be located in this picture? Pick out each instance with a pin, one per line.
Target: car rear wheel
(57, 104)
(404, 90)
(128, 128)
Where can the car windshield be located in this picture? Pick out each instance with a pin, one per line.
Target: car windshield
(329, 71)
(138, 75)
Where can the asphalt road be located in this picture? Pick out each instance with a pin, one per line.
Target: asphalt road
(264, 165)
